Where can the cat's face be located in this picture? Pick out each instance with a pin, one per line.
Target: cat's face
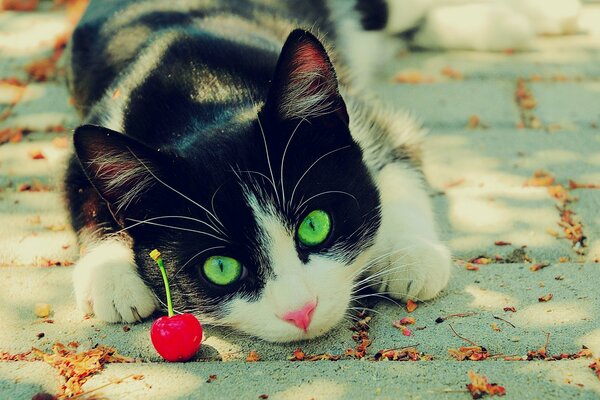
(265, 220)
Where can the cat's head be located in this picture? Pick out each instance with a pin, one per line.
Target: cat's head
(264, 221)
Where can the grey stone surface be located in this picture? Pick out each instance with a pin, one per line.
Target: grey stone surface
(568, 104)
(450, 104)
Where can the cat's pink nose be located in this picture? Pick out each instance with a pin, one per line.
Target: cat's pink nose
(301, 317)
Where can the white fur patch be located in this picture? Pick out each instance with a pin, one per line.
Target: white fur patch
(107, 284)
(414, 263)
(291, 286)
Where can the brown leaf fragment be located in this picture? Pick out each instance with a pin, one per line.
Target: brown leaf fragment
(502, 243)
(211, 378)
(545, 298)
(538, 266)
(480, 387)
(595, 366)
(577, 185)
(481, 260)
(471, 267)
(263, 396)
(253, 356)
(540, 178)
(77, 368)
(511, 309)
(411, 306)
(404, 354)
(298, 355)
(472, 353)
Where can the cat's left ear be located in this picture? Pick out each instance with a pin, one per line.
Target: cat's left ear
(305, 85)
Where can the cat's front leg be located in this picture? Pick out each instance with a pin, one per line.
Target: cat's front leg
(107, 284)
(413, 263)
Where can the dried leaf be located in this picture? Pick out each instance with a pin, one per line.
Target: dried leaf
(511, 309)
(411, 306)
(545, 298)
(540, 178)
(404, 354)
(77, 368)
(472, 353)
(253, 356)
(502, 243)
(479, 386)
(539, 266)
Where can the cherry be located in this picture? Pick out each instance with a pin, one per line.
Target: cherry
(175, 337)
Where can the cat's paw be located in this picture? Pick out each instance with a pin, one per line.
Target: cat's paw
(420, 272)
(107, 284)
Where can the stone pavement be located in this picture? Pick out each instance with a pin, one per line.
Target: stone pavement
(513, 157)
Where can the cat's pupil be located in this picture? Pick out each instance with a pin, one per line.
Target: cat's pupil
(221, 266)
(312, 225)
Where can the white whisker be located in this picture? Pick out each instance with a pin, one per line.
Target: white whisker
(177, 191)
(324, 193)
(283, 160)
(311, 166)
(139, 222)
(196, 255)
(268, 158)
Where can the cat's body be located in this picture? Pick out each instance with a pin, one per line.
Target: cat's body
(272, 187)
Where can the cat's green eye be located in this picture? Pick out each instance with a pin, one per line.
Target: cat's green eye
(314, 228)
(222, 270)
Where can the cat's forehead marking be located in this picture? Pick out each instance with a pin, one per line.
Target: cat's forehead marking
(275, 237)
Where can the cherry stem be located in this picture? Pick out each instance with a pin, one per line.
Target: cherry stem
(155, 254)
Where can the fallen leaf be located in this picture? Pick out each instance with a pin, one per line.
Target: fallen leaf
(471, 267)
(404, 354)
(545, 298)
(479, 386)
(411, 306)
(540, 178)
(502, 243)
(511, 309)
(577, 185)
(211, 378)
(77, 368)
(472, 353)
(538, 266)
(253, 356)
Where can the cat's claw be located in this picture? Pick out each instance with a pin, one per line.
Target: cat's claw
(107, 285)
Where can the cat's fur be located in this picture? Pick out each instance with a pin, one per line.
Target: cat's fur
(211, 128)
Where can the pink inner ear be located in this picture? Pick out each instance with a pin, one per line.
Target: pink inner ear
(310, 59)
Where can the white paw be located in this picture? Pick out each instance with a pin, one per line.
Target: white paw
(420, 272)
(107, 284)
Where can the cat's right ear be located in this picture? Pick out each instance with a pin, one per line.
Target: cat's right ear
(120, 168)
(305, 84)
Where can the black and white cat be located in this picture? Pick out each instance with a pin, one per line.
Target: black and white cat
(218, 132)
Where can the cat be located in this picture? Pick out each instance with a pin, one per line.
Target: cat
(234, 137)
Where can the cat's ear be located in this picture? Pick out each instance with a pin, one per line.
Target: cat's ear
(120, 168)
(305, 84)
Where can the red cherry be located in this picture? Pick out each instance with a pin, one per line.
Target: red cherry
(176, 338)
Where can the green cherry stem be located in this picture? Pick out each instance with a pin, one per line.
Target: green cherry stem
(155, 254)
